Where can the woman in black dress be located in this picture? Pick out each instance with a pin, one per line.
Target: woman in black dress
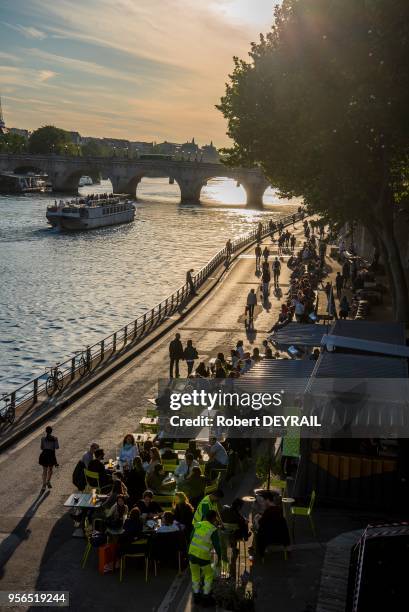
(49, 444)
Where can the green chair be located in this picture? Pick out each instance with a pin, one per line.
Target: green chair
(169, 466)
(138, 552)
(213, 486)
(180, 446)
(151, 413)
(279, 484)
(165, 501)
(92, 480)
(305, 511)
(88, 546)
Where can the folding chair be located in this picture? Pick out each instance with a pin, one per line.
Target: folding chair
(305, 511)
(135, 554)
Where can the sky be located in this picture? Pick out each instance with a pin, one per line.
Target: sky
(137, 69)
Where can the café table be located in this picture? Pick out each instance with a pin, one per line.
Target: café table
(82, 501)
(149, 422)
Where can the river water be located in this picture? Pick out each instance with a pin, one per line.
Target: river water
(61, 291)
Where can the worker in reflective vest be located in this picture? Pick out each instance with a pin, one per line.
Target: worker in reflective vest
(210, 502)
(205, 538)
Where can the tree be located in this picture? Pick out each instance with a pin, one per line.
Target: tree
(322, 107)
(49, 139)
(12, 143)
(95, 149)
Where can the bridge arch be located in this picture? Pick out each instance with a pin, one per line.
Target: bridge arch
(253, 185)
(70, 181)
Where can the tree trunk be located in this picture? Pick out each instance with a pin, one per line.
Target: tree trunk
(384, 254)
(393, 260)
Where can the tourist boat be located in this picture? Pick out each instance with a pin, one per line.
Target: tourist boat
(23, 183)
(91, 212)
(85, 180)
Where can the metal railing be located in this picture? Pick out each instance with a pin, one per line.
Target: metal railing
(83, 362)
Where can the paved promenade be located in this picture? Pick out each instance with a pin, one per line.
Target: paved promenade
(36, 547)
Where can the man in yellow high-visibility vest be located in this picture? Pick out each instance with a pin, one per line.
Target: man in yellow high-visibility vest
(209, 502)
(205, 538)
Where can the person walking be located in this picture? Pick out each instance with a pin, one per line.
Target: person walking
(47, 459)
(276, 271)
(345, 272)
(266, 253)
(189, 280)
(344, 308)
(176, 353)
(205, 538)
(266, 277)
(251, 303)
(257, 251)
(292, 242)
(190, 354)
(339, 283)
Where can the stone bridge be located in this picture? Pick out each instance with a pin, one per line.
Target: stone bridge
(125, 174)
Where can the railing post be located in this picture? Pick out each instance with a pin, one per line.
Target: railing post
(72, 368)
(102, 349)
(114, 343)
(159, 311)
(135, 328)
(88, 358)
(35, 390)
(144, 323)
(152, 316)
(177, 297)
(125, 334)
(13, 400)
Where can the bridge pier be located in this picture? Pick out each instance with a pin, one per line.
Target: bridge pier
(255, 189)
(190, 189)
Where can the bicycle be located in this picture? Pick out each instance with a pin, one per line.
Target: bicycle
(84, 364)
(8, 412)
(55, 380)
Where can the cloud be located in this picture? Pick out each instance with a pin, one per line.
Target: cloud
(27, 31)
(9, 57)
(45, 75)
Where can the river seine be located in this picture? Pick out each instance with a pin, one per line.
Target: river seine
(62, 291)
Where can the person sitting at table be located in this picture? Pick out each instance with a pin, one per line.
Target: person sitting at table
(184, 469)
(145, 452)
(135, 481)
(154, 480)
(117, 514)
(155, 458)
(183, 512)
(118, 488)
(97, 465)
(133, 528)
(271, 526)
(89, 455)
(218, 457)
(168, 523)
(168, 454)
(196, 452)
(202, 371)
(129, 450)
(148, 507)
(194, 486)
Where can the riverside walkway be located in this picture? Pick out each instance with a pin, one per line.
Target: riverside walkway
(37, 551)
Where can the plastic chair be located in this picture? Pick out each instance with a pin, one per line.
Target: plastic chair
(305, 511)
(94, 476)
(279, 484)
(165, 501)
(165, 547)
(180, 446)
(88, 546)
(169, 466)
(138, 554)
(151, 413)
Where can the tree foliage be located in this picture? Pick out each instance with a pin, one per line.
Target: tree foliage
(12, 143)
(50, 139)
(321, 106)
